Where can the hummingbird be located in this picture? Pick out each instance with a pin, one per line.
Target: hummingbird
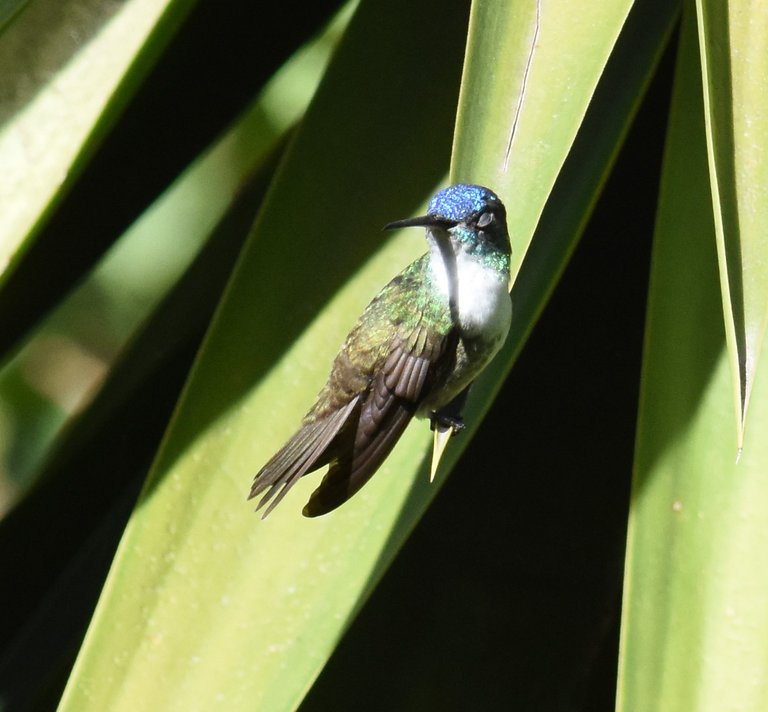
(415, 351)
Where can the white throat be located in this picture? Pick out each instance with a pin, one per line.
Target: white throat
(482, 300)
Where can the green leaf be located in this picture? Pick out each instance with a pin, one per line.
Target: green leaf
(212, 205)
(65, 94)
(695, 629)
(142, 268)
(733, 37)
(523, 168)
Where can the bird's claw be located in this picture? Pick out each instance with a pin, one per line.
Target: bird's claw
(445, 421)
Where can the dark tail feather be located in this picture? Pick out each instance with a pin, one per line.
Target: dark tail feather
(309, 449)
(348, 474)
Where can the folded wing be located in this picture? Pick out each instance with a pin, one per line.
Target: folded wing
(355, 437)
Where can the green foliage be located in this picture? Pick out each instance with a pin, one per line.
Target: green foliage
(694, 619)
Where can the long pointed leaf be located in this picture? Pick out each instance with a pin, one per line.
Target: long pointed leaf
(733, 38)
(65, 93)
(694, 630)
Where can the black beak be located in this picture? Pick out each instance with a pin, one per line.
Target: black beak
(422, 221)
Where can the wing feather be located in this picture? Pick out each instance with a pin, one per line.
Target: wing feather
(303, 453)
(392, 400)
(371, 395)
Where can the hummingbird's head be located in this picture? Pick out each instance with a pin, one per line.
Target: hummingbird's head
(473, 216)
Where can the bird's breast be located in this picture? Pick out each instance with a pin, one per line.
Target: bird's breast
(483, 303)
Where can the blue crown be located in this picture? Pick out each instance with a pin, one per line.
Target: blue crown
(458, 202)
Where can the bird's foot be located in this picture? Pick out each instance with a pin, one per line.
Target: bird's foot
(445, 421)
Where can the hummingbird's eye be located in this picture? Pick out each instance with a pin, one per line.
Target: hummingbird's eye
(485, 219)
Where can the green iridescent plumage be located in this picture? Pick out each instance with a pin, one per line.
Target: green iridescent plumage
(402, 311)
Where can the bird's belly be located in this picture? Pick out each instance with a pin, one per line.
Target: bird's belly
(472, 356)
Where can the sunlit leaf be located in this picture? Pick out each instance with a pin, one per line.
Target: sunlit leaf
(733, 38)
(58, 370)
(695, 625)
(559, 74)
(62, 95)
